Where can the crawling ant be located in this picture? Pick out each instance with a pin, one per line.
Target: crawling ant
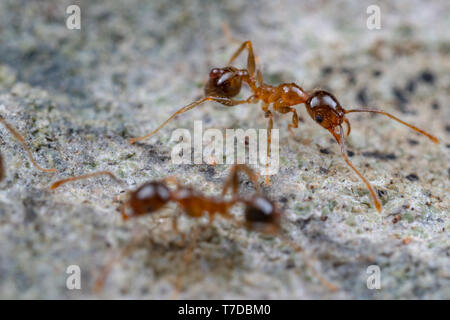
(260, 213)
(322, 106)
(19, 137)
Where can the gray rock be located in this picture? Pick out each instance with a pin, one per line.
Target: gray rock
(78, 95)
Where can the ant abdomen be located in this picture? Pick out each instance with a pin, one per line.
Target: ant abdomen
(262, 215)
(148, 198)
(223, 83)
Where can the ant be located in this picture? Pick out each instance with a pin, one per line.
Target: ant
(322, 106)
(260, 214)
(19, 137)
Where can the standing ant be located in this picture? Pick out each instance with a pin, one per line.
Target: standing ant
(19, 137)
(260, 214)
(225, 83)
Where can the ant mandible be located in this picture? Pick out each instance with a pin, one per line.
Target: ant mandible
(260, 214)
(225, 83)
(19, 137)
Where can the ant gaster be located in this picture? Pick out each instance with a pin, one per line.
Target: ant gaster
(19, 137)
(225, 83)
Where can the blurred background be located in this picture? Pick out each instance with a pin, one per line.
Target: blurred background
(80, 94)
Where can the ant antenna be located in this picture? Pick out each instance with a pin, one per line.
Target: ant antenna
(84, 176)
(431, 137)
(24, 145)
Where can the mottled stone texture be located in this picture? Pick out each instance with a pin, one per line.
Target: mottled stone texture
(79, 95)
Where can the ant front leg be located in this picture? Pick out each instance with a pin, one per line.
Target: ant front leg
(281, 107)
(340, 140)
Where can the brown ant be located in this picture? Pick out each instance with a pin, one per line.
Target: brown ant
(261, 214)
(225, 83)
(19, 137)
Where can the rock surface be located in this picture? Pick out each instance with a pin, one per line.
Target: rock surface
(78, 95)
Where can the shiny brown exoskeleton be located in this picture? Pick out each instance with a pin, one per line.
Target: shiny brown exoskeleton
(225, 83)
(326, 110)
(261, 214)
(19, 137)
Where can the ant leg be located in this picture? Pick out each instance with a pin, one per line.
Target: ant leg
(259, 78)
(187, 259)
(431, 137)
(233, 179)
(230, 38)
(269, 141)
(84, 176)
(225, 101)
(306, 259)
(283, 108)
(294, 123)
(175, 225)
(251, 64)
(340, 139)
(227, 32)
(24, 145)
(99, 283)
(2, 168)
(349, 128)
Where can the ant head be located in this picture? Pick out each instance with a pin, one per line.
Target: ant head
(223, 82)
(325, 109)
(148, 198)
(262, 215)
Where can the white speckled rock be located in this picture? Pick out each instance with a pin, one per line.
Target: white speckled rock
(79, 95)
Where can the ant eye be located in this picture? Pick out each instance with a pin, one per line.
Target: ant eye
(319, 118)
